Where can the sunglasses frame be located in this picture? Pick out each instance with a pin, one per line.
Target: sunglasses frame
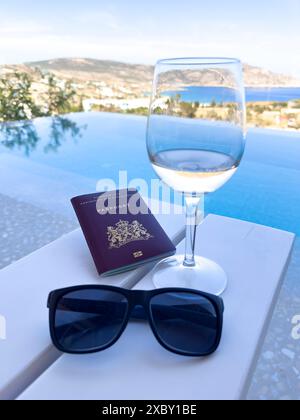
(135, 298)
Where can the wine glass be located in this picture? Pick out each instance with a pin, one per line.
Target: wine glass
(195, 140)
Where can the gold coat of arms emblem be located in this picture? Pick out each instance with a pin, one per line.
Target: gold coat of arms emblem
(123, 233)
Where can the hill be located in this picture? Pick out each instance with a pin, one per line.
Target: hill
(135, 76)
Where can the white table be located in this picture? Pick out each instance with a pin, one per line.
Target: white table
(255, 258)
(24, 287)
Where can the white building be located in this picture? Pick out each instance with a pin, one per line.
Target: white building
(123, 104)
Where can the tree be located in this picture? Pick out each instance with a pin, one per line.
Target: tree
(60, 96)
(188, 110)
(19, 101)
(16, 102)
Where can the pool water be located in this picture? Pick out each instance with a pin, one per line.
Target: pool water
(265, 189)
(45, 163)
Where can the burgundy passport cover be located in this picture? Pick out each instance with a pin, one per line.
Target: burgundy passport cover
(119, 240)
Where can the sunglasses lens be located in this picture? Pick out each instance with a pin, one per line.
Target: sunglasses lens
(185, 322)
(89, 320)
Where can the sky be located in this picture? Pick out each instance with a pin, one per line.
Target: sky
(260, 32)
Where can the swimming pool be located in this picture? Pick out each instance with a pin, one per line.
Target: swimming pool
(264, 190)
(46, 162)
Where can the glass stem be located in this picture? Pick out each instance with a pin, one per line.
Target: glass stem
(192, 221)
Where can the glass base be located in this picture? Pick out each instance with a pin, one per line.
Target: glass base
(206, 275)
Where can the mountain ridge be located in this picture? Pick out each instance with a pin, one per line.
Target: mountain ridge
(116, 72)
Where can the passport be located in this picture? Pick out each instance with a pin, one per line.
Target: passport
(120, 230)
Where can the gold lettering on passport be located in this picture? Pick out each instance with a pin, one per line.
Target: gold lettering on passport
(123, 233)
(138, 254)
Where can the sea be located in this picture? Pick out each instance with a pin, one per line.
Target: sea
(210, 94)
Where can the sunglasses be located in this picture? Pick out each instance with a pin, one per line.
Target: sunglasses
(89, 319)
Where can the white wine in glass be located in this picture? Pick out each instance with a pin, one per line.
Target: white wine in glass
(195, 140)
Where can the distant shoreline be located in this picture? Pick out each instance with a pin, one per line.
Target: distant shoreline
(272, 87)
